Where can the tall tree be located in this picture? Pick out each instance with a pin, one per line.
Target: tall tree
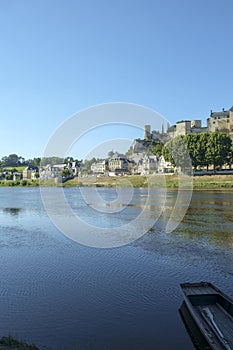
(157, 148)
(192, 142)
(218, 149)
(176, 152)
(204, 149)
(51, 160)
(12, 160)
(197, 146)
(36, 161)
(111, 153)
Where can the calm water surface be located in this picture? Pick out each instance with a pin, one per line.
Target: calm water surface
(55, 292)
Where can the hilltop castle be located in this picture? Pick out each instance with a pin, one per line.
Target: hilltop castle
(217, 121)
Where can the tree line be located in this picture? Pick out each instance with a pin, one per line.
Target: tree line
(13, 160)
(202, 150)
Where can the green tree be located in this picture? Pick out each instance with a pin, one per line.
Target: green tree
(177, 153)
(65, 172)
(191, 141)
(9, 177)
(204, 149)
(111, 153)
(36, 161)
(68, 160)
(51, 160)
(86, 168)
(157, 148)
(218, 149)
(166, 153)
(202, 145)
(12, 160)
(230, 156)
(197, 146)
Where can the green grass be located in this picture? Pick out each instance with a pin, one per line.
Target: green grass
(136, 181)
(19, 183)
(213, 182)
(124, 181)
(72, 183)
(18, 168)
(157, 181)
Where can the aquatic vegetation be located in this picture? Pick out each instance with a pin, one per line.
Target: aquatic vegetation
(10, 342)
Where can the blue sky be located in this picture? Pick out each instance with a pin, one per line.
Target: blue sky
(59, 57)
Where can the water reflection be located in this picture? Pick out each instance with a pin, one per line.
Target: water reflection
(209, 218)
(12, 211)
(193, 331)
(122, 298)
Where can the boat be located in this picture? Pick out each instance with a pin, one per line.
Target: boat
(212, 313)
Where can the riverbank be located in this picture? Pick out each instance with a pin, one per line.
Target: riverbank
(206, 182)
(213, 182)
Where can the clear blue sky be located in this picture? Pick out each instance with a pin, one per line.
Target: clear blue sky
(59, 57)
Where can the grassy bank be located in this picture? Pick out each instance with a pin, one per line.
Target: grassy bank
(213, 182)
(19, 183)
(170, 181)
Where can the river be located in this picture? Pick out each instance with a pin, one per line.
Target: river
(58, 293)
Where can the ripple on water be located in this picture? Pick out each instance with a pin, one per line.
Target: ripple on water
(51, 287)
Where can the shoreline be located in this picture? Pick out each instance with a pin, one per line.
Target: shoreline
(205, 182)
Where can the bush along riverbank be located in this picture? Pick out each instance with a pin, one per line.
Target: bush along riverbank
(19, 183)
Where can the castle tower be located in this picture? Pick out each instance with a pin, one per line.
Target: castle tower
(147, 132)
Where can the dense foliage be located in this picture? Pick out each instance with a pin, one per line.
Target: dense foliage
(13, 160)
(200, 150)
(203, 150)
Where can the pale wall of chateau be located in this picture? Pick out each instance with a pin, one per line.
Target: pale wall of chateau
(218, 121)
(221, 121)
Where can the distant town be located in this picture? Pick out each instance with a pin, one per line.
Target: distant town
(146, 156)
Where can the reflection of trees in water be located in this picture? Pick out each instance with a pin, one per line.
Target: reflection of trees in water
(12, 211)
(213, 224)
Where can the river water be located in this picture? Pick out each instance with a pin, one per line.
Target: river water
(58, 293)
